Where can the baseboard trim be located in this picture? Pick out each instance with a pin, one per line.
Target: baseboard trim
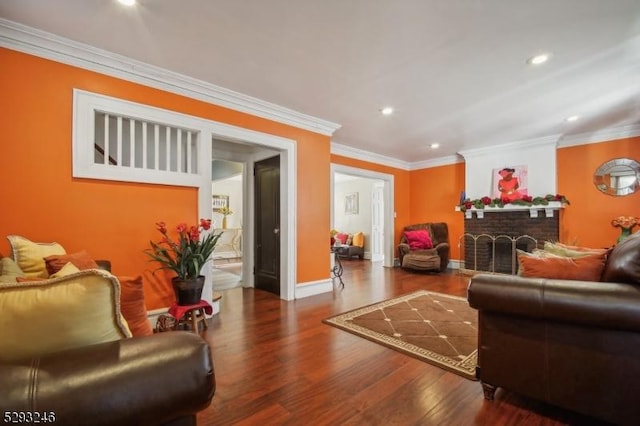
(313, 288)
(455, 264)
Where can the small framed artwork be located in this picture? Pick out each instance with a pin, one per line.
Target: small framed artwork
(510, 182)
(351, 203)
(219, 201)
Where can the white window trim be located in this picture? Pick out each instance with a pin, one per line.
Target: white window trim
(85, 105)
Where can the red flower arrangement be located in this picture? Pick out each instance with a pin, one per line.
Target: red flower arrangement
(526, 200)
(187, 255)
(625, 222)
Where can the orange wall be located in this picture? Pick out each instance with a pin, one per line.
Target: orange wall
(111, 220)
(402, 188)
(587, 221)
(435, 192)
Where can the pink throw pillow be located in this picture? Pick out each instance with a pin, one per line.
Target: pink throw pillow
(418, 239)
(342, 238)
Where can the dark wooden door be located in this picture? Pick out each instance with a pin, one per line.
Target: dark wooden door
(267, 225)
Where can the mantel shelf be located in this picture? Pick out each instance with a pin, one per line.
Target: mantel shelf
(533, 210)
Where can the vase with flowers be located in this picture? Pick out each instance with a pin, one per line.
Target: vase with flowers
(626, 224)
(225, 211)
(185, 255)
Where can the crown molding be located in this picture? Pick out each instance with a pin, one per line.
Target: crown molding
(359, 154)
(609, 134)
(558, 140)
(485, 150)
(39, 43)
(436, 162)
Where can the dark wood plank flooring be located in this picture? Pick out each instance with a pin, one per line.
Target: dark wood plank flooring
(277, 363)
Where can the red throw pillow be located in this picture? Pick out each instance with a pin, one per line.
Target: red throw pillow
(132, 306)
(80, 260)
(342, 238)
(585, 268)
(418, 239)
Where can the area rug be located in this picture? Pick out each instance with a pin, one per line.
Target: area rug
(433, 327)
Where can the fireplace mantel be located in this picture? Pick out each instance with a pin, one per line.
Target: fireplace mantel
(534, 211)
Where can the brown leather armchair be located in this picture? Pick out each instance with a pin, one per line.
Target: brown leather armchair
(154, 380)
(574, 344)
(434, 259)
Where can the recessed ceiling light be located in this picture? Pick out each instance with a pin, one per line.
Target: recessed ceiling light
(435, 145)
(539, 59)
(128, 2)
(572, 118)
(386, 111)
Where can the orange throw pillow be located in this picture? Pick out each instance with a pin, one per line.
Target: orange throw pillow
(80, 260)
(586, 268)
(132, 306)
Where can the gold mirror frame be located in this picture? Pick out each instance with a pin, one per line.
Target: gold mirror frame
(618, 177)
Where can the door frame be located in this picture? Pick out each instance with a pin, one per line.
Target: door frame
(388, 197)
(377, 256)
(286, 148)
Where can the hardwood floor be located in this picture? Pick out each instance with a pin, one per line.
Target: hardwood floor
(277, 363)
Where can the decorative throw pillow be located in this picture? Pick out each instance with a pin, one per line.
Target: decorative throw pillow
(358, 239)
(30, 256)
(133, 307)
(9, 270)
(571, 251)
(68, 269)
(536, 254)
(43, 317)
(82, 260)
(418, 239)
(585, 268)
(342, 237)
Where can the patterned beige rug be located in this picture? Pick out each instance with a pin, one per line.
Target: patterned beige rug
(433, 327)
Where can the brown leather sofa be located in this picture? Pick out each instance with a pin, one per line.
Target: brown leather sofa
(434, 259)
(574, 344)
(164, 379)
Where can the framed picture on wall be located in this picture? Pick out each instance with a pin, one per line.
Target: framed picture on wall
(510, 182)
(219, 201)
(351, 203)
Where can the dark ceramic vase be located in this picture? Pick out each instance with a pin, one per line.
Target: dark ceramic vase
(188, 292)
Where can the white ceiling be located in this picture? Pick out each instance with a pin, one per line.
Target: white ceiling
(454, 70)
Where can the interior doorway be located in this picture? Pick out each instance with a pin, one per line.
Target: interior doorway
(248, 148)
(384, 203)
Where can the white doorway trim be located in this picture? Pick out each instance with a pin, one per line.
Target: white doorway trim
(287, 150)
(388, 195)
(377, 222)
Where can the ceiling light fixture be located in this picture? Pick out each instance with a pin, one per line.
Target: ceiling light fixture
(127, 2)
(539, 59)
(435, 145)
(386, 111)
(572, 118)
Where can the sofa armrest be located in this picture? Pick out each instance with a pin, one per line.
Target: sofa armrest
(147, 380)
(599, 304)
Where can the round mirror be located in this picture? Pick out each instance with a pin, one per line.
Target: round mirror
(620, 176)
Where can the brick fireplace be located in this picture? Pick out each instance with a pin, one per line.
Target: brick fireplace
(491, 237)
